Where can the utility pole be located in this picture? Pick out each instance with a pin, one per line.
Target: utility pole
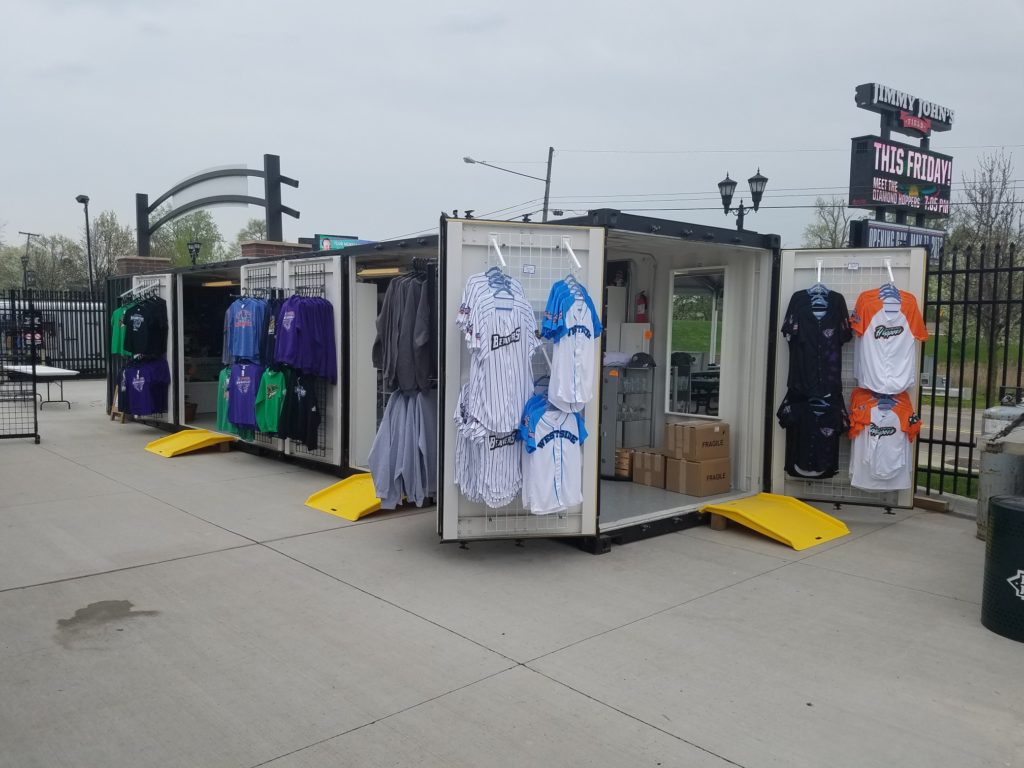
(547, 184)
(24, 259)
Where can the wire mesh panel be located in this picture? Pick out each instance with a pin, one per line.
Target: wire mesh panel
(849, 272)
(19, 340)
(537, 257)
(263, 281)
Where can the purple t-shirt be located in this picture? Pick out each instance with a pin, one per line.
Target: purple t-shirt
(144, 388)
(286, 331)
(243, 386)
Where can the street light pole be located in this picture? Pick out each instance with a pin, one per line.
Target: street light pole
(24, 259)
(84, 200)
(727, 187)
(546, 179)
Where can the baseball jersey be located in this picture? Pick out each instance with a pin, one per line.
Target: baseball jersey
(552, 459)
(816, 344)
(885, 357)
(501, 371)
(881, 456)
(488, 465)
(813, 428)
(479, 287)
(577, 335)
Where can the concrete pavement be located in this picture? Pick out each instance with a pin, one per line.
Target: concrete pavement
(192, 612)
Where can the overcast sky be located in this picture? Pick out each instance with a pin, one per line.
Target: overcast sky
(372, 105)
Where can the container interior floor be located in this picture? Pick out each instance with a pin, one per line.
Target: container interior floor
(622, 501)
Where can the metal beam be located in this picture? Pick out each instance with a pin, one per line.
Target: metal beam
(202, 203)
(201, 177)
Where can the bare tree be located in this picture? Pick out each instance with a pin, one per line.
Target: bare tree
(830, 227)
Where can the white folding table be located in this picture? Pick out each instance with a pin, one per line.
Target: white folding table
(46, 373)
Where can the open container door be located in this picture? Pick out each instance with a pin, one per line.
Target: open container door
(321, 276)
(849, 271)
(163, 285)
(265, 280)
(536, 255)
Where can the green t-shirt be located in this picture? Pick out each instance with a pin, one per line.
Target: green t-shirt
(223, 425)
(117, 331)
(269, 400)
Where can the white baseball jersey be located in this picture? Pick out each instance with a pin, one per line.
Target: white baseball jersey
(488, 468)
(885, 353)
(573, 360)
(477, 288)
(881, 456)
(553, 472)
(501, 371)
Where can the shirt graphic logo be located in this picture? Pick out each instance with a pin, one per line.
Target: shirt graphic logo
(243, 319)
(1017, 582)
(828, 332)
(502, 442)
(497, 341)
(300, 391)
(272, 391)
(137, 321)
(557, 434)
(827, 431)
(877, 431)
(139, 382)
(287, 319)
(243, 383)
(887, 332)
(576, 329)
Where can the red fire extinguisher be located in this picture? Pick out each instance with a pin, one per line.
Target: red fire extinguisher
(640, 315)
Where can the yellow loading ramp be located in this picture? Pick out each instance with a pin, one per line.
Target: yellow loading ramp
(782, 518)
(186, 441)
(352, 498)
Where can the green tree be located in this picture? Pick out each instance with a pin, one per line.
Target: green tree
(172, 239)
(830, 227)
(255, 229)
(59, 263)
(110, 242)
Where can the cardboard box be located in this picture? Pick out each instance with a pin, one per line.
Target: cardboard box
(697, 440)
(706, 478)
(649, 468)
(675, 475)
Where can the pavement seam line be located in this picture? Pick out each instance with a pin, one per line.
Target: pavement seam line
(660, 611)
(890, 583)
(352, 524)
(386, 717)
(389, 602)
(125, 568)
(637, 719)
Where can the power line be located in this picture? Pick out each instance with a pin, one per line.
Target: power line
(755, 151)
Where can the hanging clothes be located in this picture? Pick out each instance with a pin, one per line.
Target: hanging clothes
(405, 347)
(572, 323)
(244, 328)
(143, 389)
(552, 456)
(403, 459)
(885, 357)
(223, 396)
(816, 343)
(145, 327)
(304, 336)
(300, 416)
(883, 429)
(813, 428)
(242, 389)
(270, 401)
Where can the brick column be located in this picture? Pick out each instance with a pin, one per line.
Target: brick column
(139, 265)
(261, 249)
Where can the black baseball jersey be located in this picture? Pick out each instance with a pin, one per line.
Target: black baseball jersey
(816, 345)
(813, 428)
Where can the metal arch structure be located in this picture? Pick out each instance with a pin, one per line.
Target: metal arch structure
(271, 200)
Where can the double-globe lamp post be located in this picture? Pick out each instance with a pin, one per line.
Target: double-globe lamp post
(84, 200)
(546, 180)
(726, 188)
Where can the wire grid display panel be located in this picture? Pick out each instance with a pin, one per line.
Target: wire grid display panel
(263, 281)
(849, 272)
(537, 257)
(160, 285)
(320, 278)
(17, 347)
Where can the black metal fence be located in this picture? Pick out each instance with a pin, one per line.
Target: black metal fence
(974, 309)
(19, 337)
(70, 327)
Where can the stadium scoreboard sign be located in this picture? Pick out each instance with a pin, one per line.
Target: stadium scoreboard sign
(899, 177)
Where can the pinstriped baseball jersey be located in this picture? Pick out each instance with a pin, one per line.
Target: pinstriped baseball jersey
(477, 289)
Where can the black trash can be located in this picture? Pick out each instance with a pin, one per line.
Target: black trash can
(1002, 601)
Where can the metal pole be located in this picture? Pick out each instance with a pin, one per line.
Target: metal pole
(739, 215)
(547, 183)
(142, 230)
(88, 251)
(24, 260)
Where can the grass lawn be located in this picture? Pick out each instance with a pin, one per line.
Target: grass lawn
(693, 335)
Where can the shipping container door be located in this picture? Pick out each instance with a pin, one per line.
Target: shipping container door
(163, 286)
(320, 277)
(850, 272)
(537, 256)
(366, 393)
(264, 280)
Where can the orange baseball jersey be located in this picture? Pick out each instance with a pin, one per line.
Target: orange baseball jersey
(881, 457)
(884, 358)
